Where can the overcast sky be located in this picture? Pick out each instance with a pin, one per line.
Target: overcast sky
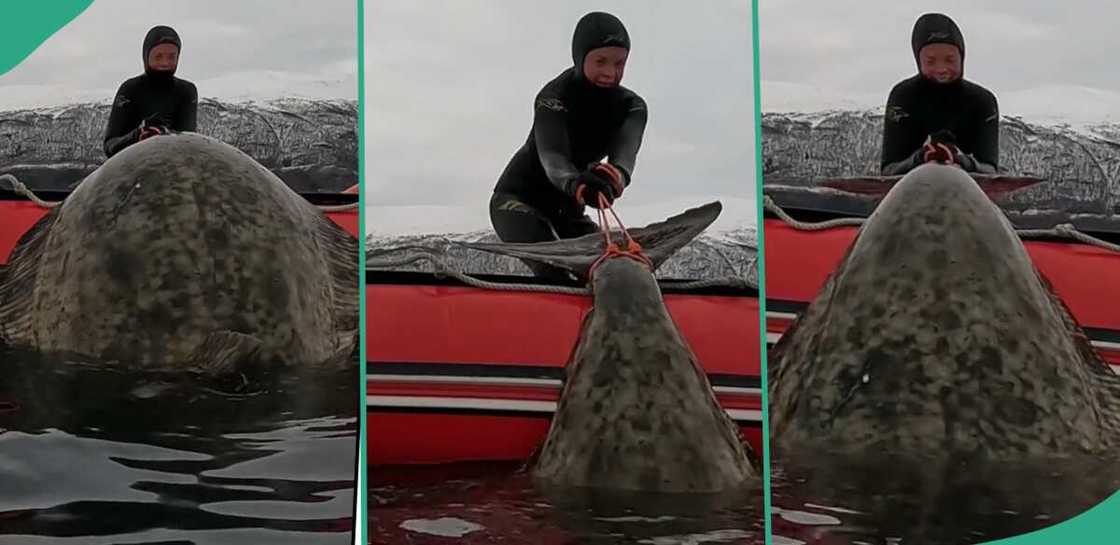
(1041, 58)
(450, 89)
(231, 49)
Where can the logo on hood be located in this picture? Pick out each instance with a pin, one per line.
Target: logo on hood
(614, 39)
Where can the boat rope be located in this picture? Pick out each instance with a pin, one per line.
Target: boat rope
(20, 189)
(439, 262)
(1064, 230)
(769, 204)
(337, 207)
(1068, 231)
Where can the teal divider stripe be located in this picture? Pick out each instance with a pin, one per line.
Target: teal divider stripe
(24, 26)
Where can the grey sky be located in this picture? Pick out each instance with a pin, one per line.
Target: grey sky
(450, 87)
(230, 49)
(1031, 54)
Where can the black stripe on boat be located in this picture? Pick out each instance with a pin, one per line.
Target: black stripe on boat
(420, 278)
(803, 204)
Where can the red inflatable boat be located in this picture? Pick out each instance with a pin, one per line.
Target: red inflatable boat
(18, 214)
(798, 262)
(458, 374)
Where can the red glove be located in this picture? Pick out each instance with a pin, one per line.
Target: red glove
(942, 153)
(148, 132)
(600, 179)
(613, 174)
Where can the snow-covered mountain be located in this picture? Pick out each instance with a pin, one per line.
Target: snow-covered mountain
(1048, 105)
(1079, 163)
(727, 249)
(730, 256)
(312, 144)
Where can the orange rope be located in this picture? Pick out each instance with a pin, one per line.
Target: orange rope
(615, 176)
(633, 249)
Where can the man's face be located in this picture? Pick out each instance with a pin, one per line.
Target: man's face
(163, 57)
(940, 62)
(603, 66)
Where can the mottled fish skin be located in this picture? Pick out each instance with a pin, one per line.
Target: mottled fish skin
(182, 251)
(936, 335)
(637, 412)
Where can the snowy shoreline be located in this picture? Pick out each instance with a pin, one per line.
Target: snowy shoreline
(311, 144)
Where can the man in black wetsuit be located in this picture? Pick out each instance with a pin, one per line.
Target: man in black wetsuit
(153, 103)
(580, 118)
(937, 115)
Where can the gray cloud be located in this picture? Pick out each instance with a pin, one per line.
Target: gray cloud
(449, 89)
(863, 48)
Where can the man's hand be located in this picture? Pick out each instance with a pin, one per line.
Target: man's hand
(154, 125)
(592, 183)
(148, 132)
(940, 151)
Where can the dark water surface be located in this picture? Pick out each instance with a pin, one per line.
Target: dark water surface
(90, 454)
(476, 504)
(820, 500)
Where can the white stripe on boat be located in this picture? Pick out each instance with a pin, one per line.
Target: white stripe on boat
(781, 315)
(745, 415)
(422, 402)
(464, 379)
(462, 403)
(513, 381)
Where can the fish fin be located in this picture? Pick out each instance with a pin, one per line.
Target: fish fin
(18, 281)
(659, 241)
(878, 186)
(341, 252)
(1089, 355)
(226, 352)
(1100, 373)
